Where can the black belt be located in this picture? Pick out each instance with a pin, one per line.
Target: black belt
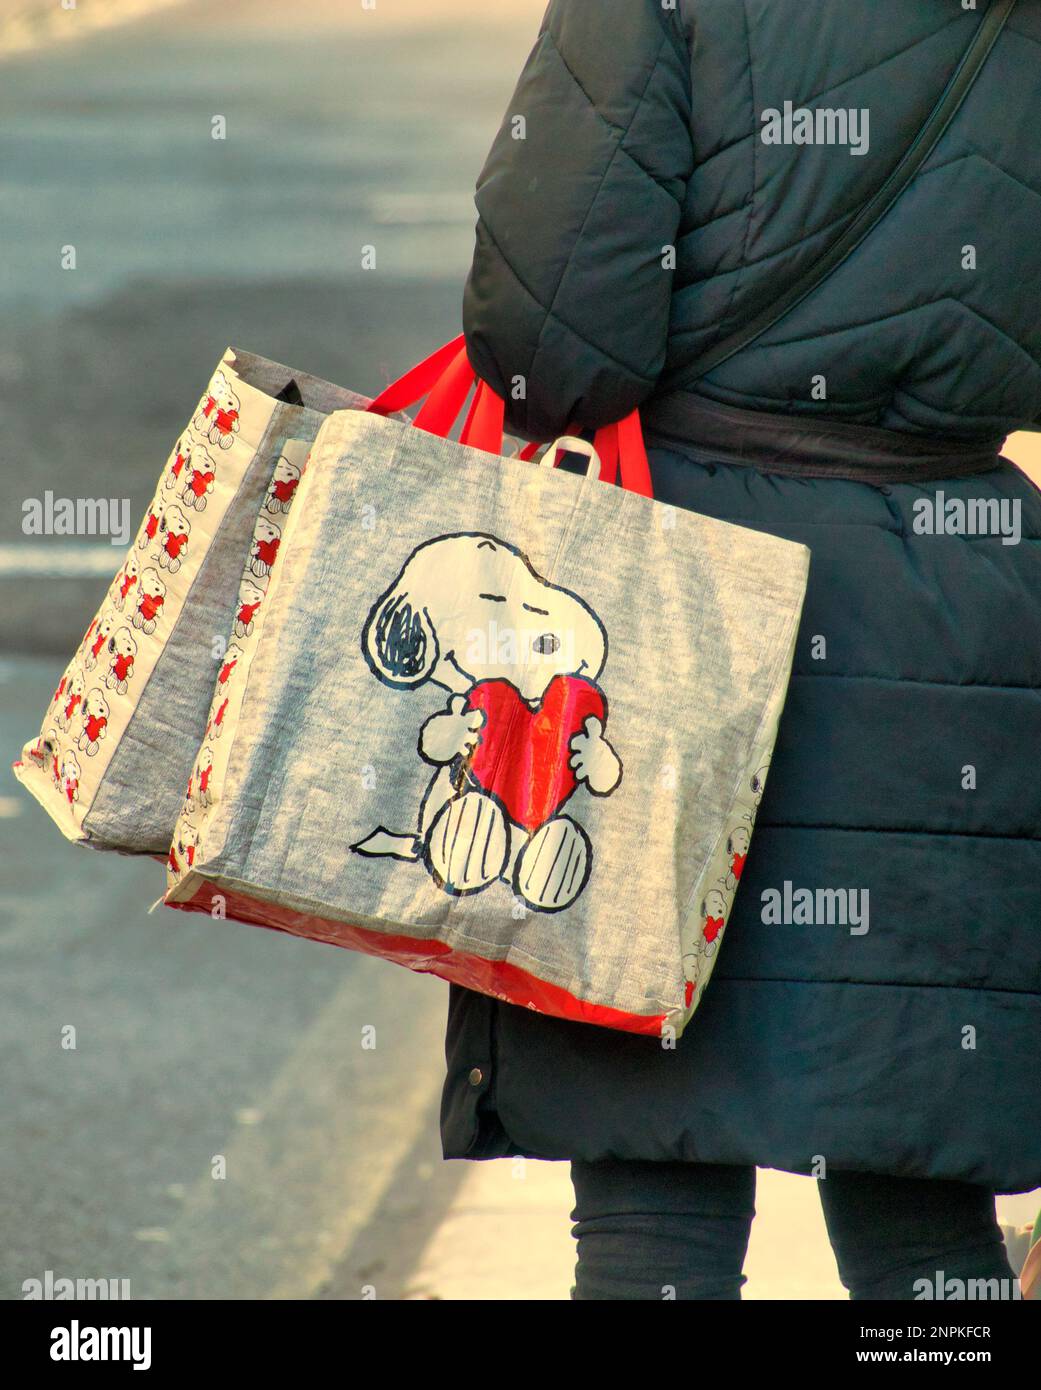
(808, 445)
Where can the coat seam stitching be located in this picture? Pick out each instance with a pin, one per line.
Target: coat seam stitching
(551, 313)
(740, 276)
(550, 310)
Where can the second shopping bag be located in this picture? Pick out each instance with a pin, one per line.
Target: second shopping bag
(118, 738)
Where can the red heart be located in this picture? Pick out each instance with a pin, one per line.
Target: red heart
(522, 754)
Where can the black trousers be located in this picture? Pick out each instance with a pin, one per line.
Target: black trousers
(680, 1230)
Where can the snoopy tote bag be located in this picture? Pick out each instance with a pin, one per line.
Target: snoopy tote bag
(499, 723)
(116, 745)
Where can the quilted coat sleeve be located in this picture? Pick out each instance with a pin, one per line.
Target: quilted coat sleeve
(566, 308)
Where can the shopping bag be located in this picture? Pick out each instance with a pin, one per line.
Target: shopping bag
(118, 739)
(500, 723)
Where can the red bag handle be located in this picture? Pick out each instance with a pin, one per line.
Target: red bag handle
(415, 384)
(628, 448)
(446, 378)
(485, 423)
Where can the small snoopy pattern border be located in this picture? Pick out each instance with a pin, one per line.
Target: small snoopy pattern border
(210, 767)
(96, 697)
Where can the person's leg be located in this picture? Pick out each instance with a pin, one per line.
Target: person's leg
(661, 1230)
(893, 1237)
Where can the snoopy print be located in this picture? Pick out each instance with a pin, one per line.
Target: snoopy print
(200, 475)
(123, 583)
(184, 848)
(716, 905)
(713, 913)
(266, 538)
(45, 746)
(201, 775)
(101, 631)
(70, 695)
(523, 727)
(152, 521)
(737, 849)
(218, 415)
(67, 776)
(174, 530)
(122, 650)
(284, 481)
(198, 791)
(94, 722)
(232, 657)
(150, 599)
(251, 596)
(179, 460)
(218, 709)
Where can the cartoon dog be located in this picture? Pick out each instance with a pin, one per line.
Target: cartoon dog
(65, 770)
(94, 722)
(713, 912)
(184, 847)
(179, 460)
(266, 539)
(122, 650)
(523, 726)
(73, 697)
(218, 709)
(46, 744)
(737, 848)
(69, 695)
(218, 414)
(174, 530)
(200, 475)
(283, 485)
(232, 657)
(152, 522)
(100, 634)
(67, 775)
(123, 583)
(201, 776)
(251, 596)
(151, 596)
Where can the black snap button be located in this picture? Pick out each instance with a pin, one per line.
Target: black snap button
(476, 1076)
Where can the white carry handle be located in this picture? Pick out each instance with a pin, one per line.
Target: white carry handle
(573, 445)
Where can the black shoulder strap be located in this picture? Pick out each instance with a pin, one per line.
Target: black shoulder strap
(870, 214)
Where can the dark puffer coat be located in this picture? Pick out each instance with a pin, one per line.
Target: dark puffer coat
(907, 758)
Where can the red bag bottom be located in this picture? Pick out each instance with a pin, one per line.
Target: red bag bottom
(497, 978)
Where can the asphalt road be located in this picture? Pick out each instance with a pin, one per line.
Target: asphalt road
(344, 129)
(197, 1039)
